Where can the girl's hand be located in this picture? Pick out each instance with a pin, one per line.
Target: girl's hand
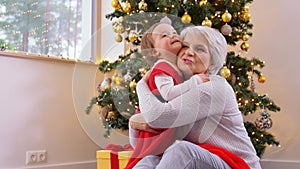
(138, 122)
(204, 77)
(146, 76)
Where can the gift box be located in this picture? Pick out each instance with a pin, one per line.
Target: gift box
(109, 159)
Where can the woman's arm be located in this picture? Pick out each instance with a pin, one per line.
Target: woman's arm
(199, 102)
(136, 123)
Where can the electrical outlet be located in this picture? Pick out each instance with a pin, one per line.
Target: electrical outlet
(41, 156)
(38, 156)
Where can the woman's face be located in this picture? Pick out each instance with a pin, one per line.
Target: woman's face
(194, 57)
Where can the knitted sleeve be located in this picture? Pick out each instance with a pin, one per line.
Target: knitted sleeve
(168, 90)
(201, 101)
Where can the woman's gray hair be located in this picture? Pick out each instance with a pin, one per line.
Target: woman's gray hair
(216, 41)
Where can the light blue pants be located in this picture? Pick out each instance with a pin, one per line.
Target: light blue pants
(183, 155)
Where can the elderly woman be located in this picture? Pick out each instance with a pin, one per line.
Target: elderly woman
(207, 114)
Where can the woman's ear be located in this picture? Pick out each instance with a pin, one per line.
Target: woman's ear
(210, 67)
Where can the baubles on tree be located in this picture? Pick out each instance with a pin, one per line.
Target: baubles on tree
(105, 84)
(225, 72)
(264, 121)
(226, 29)
(186, 18)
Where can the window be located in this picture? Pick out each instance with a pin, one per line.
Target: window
(47, 27)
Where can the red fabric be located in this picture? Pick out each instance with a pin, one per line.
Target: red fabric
(114, 161)
(149, 143)
(234, 161)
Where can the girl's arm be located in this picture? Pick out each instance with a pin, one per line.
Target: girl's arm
(169, 91)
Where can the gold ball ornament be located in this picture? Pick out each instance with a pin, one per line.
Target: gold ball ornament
(132, 84)
(226, 29)
(186, 18)
(261, 79)
(143, 5)
(120, 29)
(226, 17)
(246, 8)
(118, 38)
(245, 46)
(117, 79)
(115, 26)
(111, 116)
(127, 7)
(133, 36)
(116, 4)
(206, 22)
(225, 72)
(202, 2)
(121, 19)
(246, 16)
(245, 37)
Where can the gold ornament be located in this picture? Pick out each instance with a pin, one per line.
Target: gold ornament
(115, 26)
(225, 72)
(105, 110)
(143, 5)
(121, 19)
(186, 18)
(245, 46)
(206, 22)
(246, 16)
(245, 37)
(111, 116)
(116, 4)
(129, 51)
(202, 2)
(127, 7)
(246, 8)
(261, 79)
(132, 84)
(117, 79)
(133, 36)
(120, 29)
(118, 38)
(226, 17)
(226, 29)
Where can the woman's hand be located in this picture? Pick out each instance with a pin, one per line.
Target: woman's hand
(204, 77)
(138, 122)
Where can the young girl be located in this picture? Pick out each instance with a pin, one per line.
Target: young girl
(161, 44)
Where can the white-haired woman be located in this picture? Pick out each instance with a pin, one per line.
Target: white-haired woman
(208, 114)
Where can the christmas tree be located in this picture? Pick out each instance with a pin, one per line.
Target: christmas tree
(117, 95)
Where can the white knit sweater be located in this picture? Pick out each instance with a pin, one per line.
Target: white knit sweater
(207, 113)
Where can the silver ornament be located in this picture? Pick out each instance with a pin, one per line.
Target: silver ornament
(105, 84)
(226, 29)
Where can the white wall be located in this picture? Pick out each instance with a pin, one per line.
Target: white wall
(37, 113)
(276, 40)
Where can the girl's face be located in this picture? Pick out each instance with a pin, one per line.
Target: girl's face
(166, 39)
(194, 57)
